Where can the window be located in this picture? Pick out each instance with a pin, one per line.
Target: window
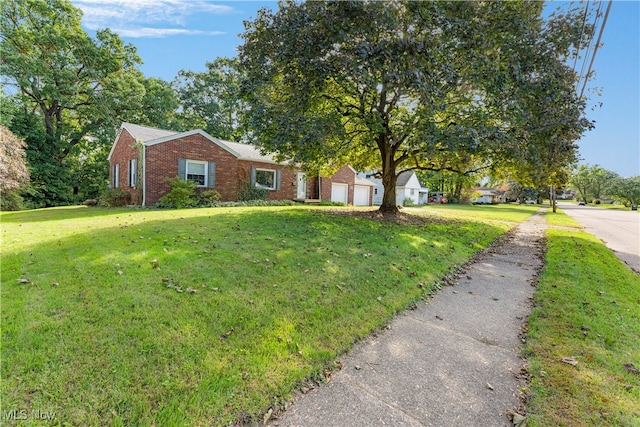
(197, 172)
(266, 178)
(115, 176)
(132, 177)
(413, 192)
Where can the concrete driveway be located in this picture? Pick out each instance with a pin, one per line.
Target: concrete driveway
(620, 230)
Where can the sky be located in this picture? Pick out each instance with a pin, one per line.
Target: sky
(174, 35)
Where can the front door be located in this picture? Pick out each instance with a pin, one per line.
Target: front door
(302, 186)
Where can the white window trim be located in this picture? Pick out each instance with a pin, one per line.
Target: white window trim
(133, 173)
(206, 170)
(116, 176)
(275, 176)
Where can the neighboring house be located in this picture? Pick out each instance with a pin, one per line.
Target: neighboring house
(344, 186)
(143, 160)
(407, 187)
(488, 196)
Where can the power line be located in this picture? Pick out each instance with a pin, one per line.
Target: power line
(595, 48)
(584, 21)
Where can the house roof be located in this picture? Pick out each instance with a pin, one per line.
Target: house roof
(248, 151)
(404, 177)
(364, 181)
(152, 136)
(146, 133)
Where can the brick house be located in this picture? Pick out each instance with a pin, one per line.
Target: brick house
(143, 159)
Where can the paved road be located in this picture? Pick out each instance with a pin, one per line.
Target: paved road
(620, 230)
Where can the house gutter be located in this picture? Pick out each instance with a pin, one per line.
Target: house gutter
(144, 175)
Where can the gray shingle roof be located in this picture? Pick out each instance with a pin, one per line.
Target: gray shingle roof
(403, 178)
(146, 133)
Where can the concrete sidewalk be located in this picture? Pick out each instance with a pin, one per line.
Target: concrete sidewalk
(452, 361)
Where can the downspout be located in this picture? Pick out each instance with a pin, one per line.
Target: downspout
(319, 187)
(144, 175)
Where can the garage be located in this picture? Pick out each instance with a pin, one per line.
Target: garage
(340, 193)
(361, 195)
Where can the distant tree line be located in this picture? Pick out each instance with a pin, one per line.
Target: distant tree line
(594, 183)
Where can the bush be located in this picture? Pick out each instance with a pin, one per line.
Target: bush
(208, 198)
(182, 194)
(11, 201)
(249, 192)
(114, 197)
(408, 202)
(597, 201)
(330, 203)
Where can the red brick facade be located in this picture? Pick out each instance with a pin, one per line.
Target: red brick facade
(161, 165)
(123, 152)
(346, 175)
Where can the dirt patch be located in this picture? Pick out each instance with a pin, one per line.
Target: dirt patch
(400, 218)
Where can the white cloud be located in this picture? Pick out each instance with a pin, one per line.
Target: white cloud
(136, 18)
(162, 32)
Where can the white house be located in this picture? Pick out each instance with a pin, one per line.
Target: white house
(407, 187)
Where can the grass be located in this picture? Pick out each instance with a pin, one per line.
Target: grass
(509, 212)
(560, 219)
(588, 310)
(203, 316)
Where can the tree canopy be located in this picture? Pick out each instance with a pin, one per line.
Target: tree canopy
(72, 92)
(591, 181)
(211, 99)
(399, 85)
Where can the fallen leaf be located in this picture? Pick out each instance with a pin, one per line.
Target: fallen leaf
(489, 386)
(267, 416)
(629, 367)
(24, 281)
(570, 361)
(54, 283)
(518, 420)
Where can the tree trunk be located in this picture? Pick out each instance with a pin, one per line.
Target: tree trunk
(389, 179)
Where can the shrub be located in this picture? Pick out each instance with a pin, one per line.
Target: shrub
(11, 201)
(251, 192)
(209, 198)
(114, 197)
(408, 201)
(330, 203)
(182, 194)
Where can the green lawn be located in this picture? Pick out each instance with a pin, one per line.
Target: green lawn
(512, 212)
(559, 219)
(588, 311)
(205, 316)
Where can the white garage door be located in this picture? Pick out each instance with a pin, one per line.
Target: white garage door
(339, 193)
(361, 195)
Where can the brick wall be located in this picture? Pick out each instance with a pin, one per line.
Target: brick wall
(343, 176)
(125, 151)
(288, 181)
(162, 165)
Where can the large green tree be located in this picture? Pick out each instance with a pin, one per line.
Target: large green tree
(75, 86)
(391, 86)
(211, 99)
(626, 189)
(591, 181)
